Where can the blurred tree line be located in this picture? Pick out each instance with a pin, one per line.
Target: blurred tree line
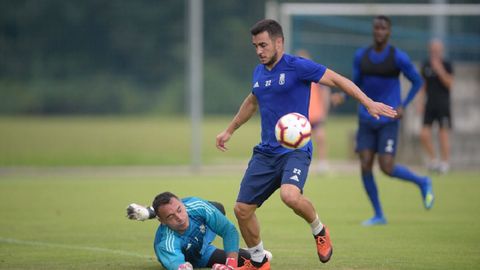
(108, 57)
(120, 56)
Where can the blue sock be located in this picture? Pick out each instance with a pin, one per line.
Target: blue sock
(371, 189)
(404, 173)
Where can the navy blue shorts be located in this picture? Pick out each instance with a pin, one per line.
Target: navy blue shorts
(266, 173)
(378, 137)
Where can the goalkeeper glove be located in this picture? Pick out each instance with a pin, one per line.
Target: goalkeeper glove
(230, 264)
(185, 266)
(138, 212)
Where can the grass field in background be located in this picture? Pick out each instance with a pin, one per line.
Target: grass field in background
(70, 141)
(66, 220)
(66, 208)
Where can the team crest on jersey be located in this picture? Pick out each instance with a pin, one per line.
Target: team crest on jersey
(202, 229)
(281, 80)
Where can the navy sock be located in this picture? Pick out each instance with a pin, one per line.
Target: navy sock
(371, 189)
(404, 173)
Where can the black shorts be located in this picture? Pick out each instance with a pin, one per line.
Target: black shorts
(441, 115)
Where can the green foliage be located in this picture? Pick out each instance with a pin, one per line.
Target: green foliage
(104, 57)
(70, 219)
(98, 94)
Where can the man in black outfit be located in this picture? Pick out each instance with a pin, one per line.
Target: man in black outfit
(438, 76)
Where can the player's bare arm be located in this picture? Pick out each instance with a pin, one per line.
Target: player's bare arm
(420, 99)
(246, 111)
(333, 79)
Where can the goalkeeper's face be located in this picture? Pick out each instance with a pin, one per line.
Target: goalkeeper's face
(174, 215)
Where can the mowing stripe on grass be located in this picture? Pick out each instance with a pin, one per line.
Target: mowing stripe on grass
(93, 249)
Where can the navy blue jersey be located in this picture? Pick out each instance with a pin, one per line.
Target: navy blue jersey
(282, 90)
(384, 86)
(194, 245)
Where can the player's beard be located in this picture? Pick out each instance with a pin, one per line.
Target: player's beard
(272, 60)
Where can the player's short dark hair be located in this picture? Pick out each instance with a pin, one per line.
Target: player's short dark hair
(272, 27)
(162, 199)
(219, 206)
(383, 18)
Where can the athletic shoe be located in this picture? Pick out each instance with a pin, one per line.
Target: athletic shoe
(427, 193)
(324, 246)
(247, 265)
(322, 167)
(433, 166)
(444, 167)
(269, 255)
(375, 221)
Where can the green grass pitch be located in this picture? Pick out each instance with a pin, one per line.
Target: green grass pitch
(75, 219)
(100, 141)
(63, 209)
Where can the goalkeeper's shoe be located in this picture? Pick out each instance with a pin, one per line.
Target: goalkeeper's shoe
(139, 212)
(427, 193)
(324, 245)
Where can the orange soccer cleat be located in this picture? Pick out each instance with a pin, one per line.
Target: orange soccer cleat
(324, 246)
(247, 265)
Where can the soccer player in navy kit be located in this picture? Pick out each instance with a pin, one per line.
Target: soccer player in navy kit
(376, 71)
(183, 240)
(281, 85)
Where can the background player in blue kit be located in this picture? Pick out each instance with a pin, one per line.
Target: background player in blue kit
(281, 85)
(188, 226)
(376, 71)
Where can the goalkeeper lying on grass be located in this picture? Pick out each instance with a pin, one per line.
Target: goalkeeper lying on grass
(188, 227)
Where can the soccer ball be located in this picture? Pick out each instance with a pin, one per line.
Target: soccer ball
(293, 130)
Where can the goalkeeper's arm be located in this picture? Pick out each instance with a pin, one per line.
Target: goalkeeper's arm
(139, 212)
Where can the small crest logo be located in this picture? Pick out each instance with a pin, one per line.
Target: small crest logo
(281, 80)
(202, 229)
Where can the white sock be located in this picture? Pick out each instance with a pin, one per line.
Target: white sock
(257, 252)
(316, 226)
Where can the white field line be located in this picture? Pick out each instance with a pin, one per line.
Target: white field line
(64, 246)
